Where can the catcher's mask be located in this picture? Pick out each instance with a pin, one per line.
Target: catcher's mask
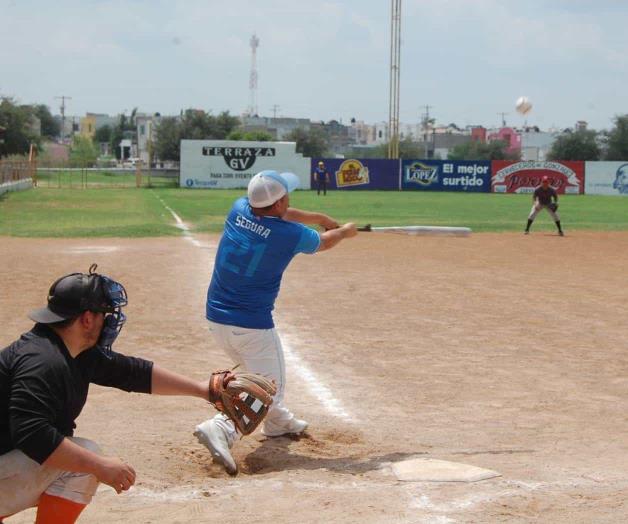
(116, 297)
(72, 294)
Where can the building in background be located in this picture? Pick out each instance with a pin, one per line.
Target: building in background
(91, 122)
(536, 144)
(510, 136)
(277, 127)
(146, 130)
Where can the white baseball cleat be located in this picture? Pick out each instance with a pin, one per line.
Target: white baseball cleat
(215, 440)
(293, 427)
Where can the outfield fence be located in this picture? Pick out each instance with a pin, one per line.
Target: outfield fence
(17, 175)
(14, 171)
(99, 178)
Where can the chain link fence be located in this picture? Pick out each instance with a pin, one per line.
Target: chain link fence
(94, 178)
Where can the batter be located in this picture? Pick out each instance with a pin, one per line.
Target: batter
(262, 235)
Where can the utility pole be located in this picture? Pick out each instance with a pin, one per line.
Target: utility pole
(503, 115)
(425, 124)
(395, 69)
(63, 98)
(275, 109)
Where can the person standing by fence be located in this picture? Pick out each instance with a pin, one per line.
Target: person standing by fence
(321, 177)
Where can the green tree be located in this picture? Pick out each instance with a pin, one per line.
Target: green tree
(408, 148)
(168, 139)
(50, 128)
(310, 143)
(193, 124)
(476, 150)
(255, 136)
(225, 124)
(83, 153)
(17, 135)
(103, 134)
(581, 145)
(197, 124)
(617, 145)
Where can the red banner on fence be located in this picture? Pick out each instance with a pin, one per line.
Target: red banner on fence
(525, 177)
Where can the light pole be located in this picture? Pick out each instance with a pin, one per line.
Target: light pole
(395, 66)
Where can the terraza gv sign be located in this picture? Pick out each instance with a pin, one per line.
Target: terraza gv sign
(239, 158)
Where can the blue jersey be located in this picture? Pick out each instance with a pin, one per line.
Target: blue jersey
(321, 174)
(252, 256)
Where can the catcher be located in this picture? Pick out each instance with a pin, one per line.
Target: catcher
(44, 381)
(545, 197)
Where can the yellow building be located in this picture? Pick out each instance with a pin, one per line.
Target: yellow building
(87, 127)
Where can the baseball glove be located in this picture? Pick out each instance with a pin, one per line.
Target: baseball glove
(243, 397)
(553, 206)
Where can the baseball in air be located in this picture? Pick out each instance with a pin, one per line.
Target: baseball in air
(523, 105)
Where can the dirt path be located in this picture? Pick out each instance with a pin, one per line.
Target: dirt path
(498, 350)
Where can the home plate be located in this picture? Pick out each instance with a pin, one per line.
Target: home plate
(433, 470)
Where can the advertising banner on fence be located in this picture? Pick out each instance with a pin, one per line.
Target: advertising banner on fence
(446, 175)
(223, 164)
(353, 173)
(524, 177)
(606, 178)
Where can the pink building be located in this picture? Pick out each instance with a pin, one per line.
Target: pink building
(508, 135)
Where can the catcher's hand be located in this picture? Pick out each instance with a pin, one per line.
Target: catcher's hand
(553, 206)
(243, 397)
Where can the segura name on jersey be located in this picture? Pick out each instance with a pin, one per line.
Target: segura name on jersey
(252, 226)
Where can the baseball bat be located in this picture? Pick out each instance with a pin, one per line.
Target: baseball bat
(418, 230)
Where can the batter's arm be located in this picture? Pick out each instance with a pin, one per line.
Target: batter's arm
(332, 237)
(293, 214)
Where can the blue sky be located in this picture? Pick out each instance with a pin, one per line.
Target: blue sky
(468, 59)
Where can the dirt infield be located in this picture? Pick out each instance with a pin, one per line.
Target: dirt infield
(501, 351)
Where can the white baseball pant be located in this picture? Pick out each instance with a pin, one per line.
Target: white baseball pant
(23, 481)
(256, 351)
(536, 209)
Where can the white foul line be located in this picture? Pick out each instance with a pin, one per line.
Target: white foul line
(318, 389)
(180, 224)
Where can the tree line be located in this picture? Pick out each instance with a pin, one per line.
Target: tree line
(17, 134)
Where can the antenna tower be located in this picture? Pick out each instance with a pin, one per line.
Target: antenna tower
(254, 43)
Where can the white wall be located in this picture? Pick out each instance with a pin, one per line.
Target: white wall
(606, 178)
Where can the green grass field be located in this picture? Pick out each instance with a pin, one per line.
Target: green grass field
(115, 212)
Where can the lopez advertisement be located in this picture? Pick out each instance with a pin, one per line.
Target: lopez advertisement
(354, 173)
(524, 177)
(446, 175)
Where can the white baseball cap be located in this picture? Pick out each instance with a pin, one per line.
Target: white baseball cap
(268, 186)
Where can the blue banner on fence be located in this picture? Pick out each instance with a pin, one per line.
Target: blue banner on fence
(354, 173)
(446, 175)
